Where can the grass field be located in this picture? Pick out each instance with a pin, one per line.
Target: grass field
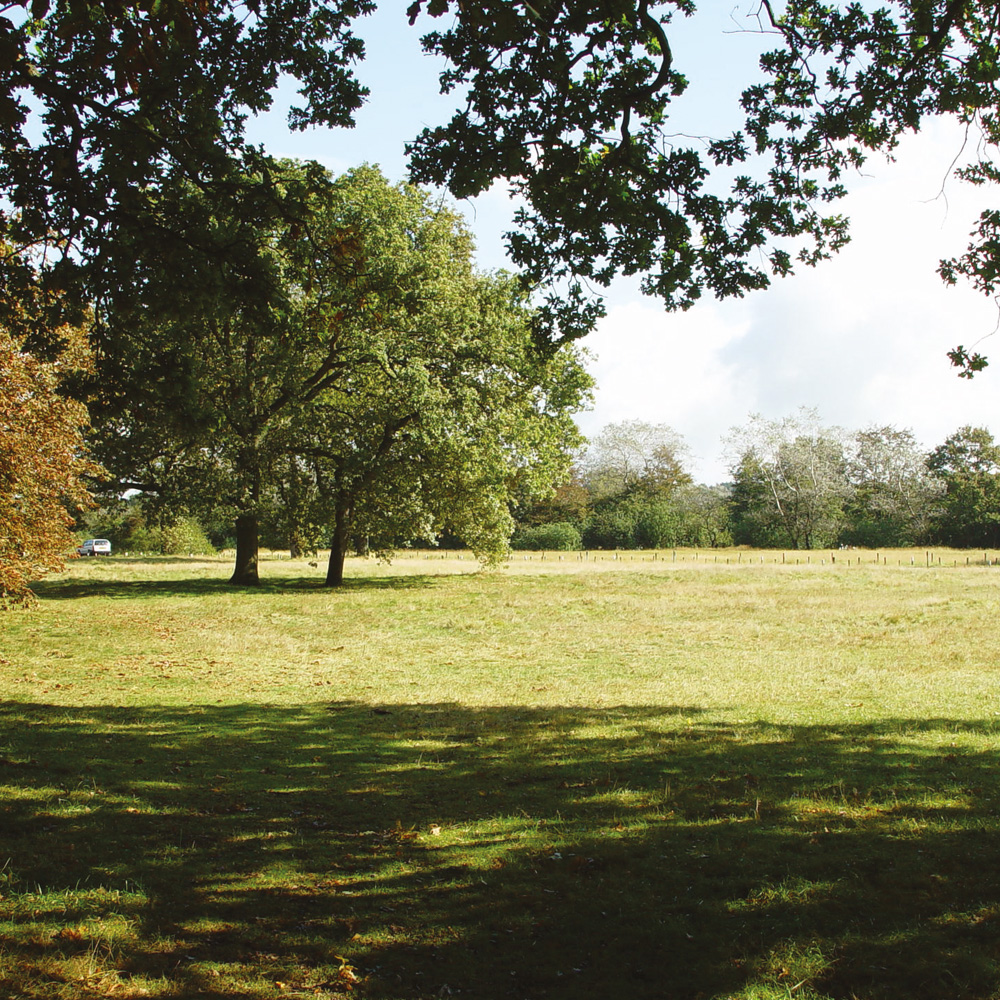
(702, 776)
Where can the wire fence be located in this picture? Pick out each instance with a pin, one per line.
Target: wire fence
(926, 558)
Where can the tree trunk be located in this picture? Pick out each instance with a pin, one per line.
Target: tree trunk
(338, 551)
(245, 573)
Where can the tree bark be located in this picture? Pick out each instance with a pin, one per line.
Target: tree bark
(338, 551)
(245, 572)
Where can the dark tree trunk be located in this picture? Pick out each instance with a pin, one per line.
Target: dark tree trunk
(245, 573)
(338, 551)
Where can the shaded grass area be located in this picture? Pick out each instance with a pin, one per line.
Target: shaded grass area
(427, 850)
(537, 787)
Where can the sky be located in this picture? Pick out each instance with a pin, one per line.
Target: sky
(861, 338)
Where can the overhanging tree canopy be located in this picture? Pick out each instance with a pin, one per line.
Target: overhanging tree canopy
(101, 99)
(569, 102)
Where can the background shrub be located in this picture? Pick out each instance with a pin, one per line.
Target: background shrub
(560, 536)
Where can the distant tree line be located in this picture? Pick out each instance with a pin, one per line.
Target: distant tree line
(794, 484)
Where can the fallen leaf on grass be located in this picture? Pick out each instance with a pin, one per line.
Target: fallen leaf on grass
(68, 934)
(399, 833)
(346, 971)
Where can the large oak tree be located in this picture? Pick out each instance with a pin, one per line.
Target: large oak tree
(361, 372)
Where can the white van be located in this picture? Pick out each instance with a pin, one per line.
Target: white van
(95, 547)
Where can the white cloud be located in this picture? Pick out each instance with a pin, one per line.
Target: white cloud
(862, 337)
(668, 369)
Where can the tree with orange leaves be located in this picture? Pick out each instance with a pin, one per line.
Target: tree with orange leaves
(43, 465)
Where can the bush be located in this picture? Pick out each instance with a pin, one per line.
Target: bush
(184, 537)
(560, 536)
(659, 526)
(611, 528)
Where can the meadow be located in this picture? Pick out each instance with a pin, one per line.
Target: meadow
(691, 775)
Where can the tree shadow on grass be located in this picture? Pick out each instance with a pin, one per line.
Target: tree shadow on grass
(405, 851)
(185, 586)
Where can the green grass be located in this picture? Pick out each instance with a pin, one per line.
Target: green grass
(632, 777)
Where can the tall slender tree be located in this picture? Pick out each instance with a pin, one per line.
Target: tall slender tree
(893, 495)
(631, 456)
